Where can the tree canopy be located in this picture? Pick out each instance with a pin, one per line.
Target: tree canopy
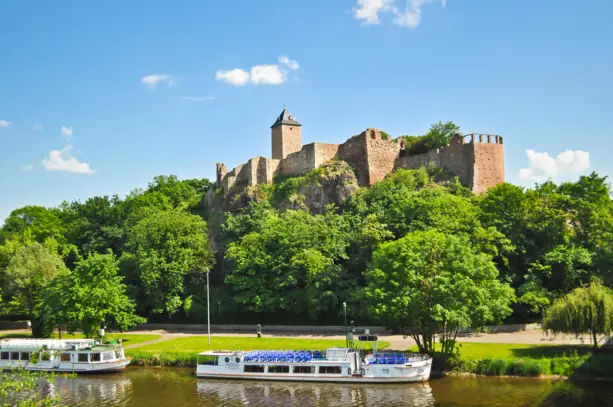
(429, 282)
(275, 265)
(585, 310)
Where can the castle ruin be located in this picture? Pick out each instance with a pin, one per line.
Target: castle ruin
(477, 159)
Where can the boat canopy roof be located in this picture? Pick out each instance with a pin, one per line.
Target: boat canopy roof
(219, 352)
(52, 344)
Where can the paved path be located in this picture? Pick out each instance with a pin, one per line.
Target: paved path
(535, 337)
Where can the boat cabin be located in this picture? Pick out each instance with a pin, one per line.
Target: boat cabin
(44, 354)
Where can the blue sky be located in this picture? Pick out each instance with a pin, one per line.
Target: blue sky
(99, 97)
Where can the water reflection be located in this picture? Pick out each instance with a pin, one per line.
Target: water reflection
(251, 393)
(92, 390)
(161, 387)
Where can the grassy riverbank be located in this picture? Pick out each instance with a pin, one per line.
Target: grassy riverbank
(507, 359)
(127, 339)
(184, 351)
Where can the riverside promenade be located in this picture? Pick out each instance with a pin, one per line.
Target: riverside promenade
(518, 334)
(515, 334)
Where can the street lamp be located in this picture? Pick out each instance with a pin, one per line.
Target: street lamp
(346, 339)
(208, 311)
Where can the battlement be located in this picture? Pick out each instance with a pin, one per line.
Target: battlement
(476, 158)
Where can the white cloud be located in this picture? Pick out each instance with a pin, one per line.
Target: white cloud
(67, 132)
(543, 166)
(272, 74)
(4, 123)
(28, 167)
(198, 98)
(290, 63)
(61, 160)
(236, 77)
(153, 80)
(268, 75)
(369, 10)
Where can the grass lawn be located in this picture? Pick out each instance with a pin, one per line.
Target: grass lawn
(477, 350)
(184, 351)
(196, 344)
(128, 339)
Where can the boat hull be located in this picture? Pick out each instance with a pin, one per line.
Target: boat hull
(68, 367)
(417, 372)
(335, 379)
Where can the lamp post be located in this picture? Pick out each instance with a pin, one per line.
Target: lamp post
(345, 310)
(208, 310)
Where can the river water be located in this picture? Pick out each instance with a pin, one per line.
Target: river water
(161, 387)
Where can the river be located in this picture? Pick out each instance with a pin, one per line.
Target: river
(161, 387)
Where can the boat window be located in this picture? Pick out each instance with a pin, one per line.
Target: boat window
(253, 369)
(65, 357)
(25, 355)
(94, 357)
(118, 354)
(385, 371)
(83, 357)
(208, 360)
(108, 356)
(330, 369)
(45, 356)
(278, 369)
(304, 369)
(14, 355)
(4, 355)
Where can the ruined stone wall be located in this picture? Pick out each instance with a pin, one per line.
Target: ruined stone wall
(221, 171)
(478, 163)
(488, 163)
(324, 153)
(353, 151)
(300, 162)
(380, 155)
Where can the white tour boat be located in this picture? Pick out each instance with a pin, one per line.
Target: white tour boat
(332, 365)
(53, 355)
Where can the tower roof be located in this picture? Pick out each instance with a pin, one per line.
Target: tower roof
(285, 118)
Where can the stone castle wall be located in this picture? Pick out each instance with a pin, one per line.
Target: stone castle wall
(478, 161)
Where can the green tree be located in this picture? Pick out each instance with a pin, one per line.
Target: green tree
(89, 298)
(428, 283)
(291, 264)
(172, 249)
(41, 222)
(29, 271)
(585, 310)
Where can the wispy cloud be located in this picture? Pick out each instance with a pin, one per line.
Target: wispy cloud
(4, 123)
(153, 80)
(272, 74)
(410, 16)
(198, 98)
(62, 160)
(67, 132)
(290, 63)
(542, 166)
(28, 167)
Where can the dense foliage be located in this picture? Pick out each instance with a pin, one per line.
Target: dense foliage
(430, 282)
(503, 255)
(585, 310)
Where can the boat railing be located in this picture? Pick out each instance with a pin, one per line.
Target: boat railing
(395, 358)
(284, 356)
(50, 344)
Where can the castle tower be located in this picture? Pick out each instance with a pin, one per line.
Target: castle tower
(286, 136)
